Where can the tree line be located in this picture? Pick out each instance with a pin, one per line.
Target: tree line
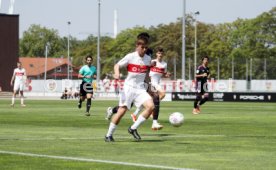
(235, 49)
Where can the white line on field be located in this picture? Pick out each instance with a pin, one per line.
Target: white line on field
(92, 160)
(117, 137)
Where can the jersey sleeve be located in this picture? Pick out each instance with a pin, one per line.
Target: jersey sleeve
(81, 71)
(198, 71)
(165, 68)
(124, 61)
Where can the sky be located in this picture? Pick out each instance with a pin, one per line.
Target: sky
(83, 14)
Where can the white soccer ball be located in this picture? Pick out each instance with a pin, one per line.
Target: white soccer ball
(176, 119)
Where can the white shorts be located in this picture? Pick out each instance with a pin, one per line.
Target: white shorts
(157, 86)
(18, 86)
(133, 95)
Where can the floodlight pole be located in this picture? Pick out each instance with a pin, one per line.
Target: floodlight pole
(183, 40)
(195, 53)
(98, 42)
(68, 50)
(46, 62)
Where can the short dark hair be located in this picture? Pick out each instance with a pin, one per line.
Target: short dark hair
(159, 49)
(142, 37)
(88, 56)
(205, 57)
(143, 34)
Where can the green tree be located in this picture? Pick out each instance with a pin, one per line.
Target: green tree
(34, 41)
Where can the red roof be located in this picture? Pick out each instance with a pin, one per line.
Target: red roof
(35, 66)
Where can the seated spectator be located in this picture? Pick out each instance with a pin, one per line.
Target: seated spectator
(64, 94)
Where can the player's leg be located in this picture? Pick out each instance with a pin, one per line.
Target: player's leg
(204, 99)
(162, 93)
(82, 95)
(89, 95)
(15, 90)
(21, 88)
(135, 113)
(110, 111)
(196, 103)
(22, 98)
(204, 95)
(146, 100)
(13, 97)
(114, 122)
(155, 124)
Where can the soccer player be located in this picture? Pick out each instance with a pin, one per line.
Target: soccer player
(157, 71)
(87, 73)
(137, 64)
(202, 75)
(113, 110)
(18, 80)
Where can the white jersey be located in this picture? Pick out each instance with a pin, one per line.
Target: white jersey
(20, 75)
(137, 68)
(157, 71)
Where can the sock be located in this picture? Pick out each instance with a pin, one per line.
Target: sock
(111, 129)
(88, 105)
(156, 102)
(154, 122)
(22, 100)
(115, 109)
(13, 100)
(138, 122)
(137, 111)
(80, 101)
(198, 98)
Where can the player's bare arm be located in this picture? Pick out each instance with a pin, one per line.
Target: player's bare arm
(12, 79)
(116, 71)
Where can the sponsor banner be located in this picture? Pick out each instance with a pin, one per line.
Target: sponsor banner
(227, 96)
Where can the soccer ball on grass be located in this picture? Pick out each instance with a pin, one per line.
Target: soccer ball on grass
(176, 119)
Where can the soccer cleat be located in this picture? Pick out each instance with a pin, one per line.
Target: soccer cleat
(156, 126)
(134, 133)
(109, 113)
(23, 105)
(195, 111)
(198, 109)
(87, 114)
(12, 105)
(134, 117)
(79, 105)
(109, 139)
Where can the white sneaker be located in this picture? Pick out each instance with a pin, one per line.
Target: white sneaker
(109, 113)
(156, 126)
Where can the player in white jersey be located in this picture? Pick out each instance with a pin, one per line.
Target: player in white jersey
(157, 71)
(137, 64)
(17, 81)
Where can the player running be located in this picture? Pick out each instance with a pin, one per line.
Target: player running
(87, 73)
(18, 80)
(202, 75)
(137, 64)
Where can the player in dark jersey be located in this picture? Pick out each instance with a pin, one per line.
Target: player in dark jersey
(202, 75)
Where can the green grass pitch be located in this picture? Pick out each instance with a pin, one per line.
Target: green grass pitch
(56, 135)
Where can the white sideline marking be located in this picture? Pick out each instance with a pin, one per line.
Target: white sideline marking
(119, 137)
(92, 160)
